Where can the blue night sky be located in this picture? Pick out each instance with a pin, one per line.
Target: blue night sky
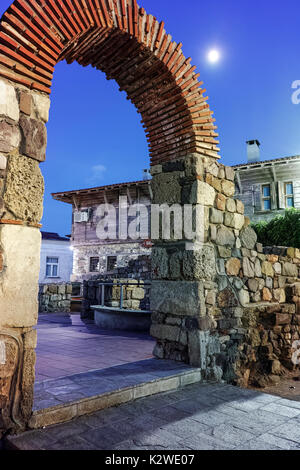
(94, 133)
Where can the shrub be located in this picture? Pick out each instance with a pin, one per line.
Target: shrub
(283, 230)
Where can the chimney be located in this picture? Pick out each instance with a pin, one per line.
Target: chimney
(253, 152)
(146, 175)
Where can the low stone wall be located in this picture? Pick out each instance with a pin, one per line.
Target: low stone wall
(137, 271)
(136, 296)
(222, 306)
(251, 330)
(55, 298)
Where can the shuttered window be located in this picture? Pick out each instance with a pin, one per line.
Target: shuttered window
(289, 195)
(266, 197)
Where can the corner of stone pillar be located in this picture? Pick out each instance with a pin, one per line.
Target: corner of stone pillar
(23, 140)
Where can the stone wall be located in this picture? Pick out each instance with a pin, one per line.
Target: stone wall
(128, 256)
(137, 270)
(55, 298)
(214, 307)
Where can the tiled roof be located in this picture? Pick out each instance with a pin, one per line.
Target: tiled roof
(274, 160)
(99, 188)
(53, 236)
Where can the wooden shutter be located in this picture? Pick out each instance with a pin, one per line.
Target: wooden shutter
(257, 197)
(273, 196)
(281, 198)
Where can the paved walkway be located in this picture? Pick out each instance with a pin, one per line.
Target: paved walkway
(67, 346)
(198, 417)
(57, 392)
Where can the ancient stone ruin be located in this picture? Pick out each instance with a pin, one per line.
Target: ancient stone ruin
(229, 307)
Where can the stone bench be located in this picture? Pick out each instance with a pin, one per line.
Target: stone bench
(113, 318)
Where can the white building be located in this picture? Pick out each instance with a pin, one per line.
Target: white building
(56, 259)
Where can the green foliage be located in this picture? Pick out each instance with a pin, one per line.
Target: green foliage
(283, 230)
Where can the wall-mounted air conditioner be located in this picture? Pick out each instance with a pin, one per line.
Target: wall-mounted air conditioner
(81, 216)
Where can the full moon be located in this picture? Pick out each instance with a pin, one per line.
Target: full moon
(213, 56)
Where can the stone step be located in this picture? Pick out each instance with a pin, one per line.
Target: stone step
(61, 400)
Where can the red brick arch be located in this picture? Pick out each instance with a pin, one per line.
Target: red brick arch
(131, 47)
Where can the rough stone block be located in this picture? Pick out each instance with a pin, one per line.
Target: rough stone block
(283, 319)
(240, 207)
(25, 103)
(197, 342)
(221, 202)
(277, 268)
(244, 297)
(248, 268)
(41, 106)
(9, 137)
(178, 297)
(166, 188)
(19, 293)
(202, 193)
(235, 221)
(279, 295)
(228, 188)
(267, 269)
(165, 332)
(290, 269)
(199, 264)
(266, 295)
(216, 216)
(231, 205)
(159, 263)
(9, 106)
(229, 173)
(34, 139)
(225, 237)
(138, 293)
(24, 189)
(233, 267)
(30, 339)
(224, 252)
(248, 238)
(3, 162)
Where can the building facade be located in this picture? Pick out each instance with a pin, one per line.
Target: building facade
(267, 188)
(56, 259)
(92, 253)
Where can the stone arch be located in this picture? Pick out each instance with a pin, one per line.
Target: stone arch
(131, 47)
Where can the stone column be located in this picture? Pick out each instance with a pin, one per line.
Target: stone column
(23, 139)
(195, 303)
(184, 278)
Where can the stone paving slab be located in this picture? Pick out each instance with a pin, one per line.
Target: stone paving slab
(167, 421)
(60, 400)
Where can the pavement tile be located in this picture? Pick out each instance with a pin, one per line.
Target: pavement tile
(270, 442)
(230, 434)
(289, 430)
(282, 410)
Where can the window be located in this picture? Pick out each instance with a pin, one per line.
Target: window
(266, 197)
(51, 267)
(111, 263)
(94, 265)
(289, 195)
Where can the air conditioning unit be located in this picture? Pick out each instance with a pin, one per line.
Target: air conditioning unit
(81, 216)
